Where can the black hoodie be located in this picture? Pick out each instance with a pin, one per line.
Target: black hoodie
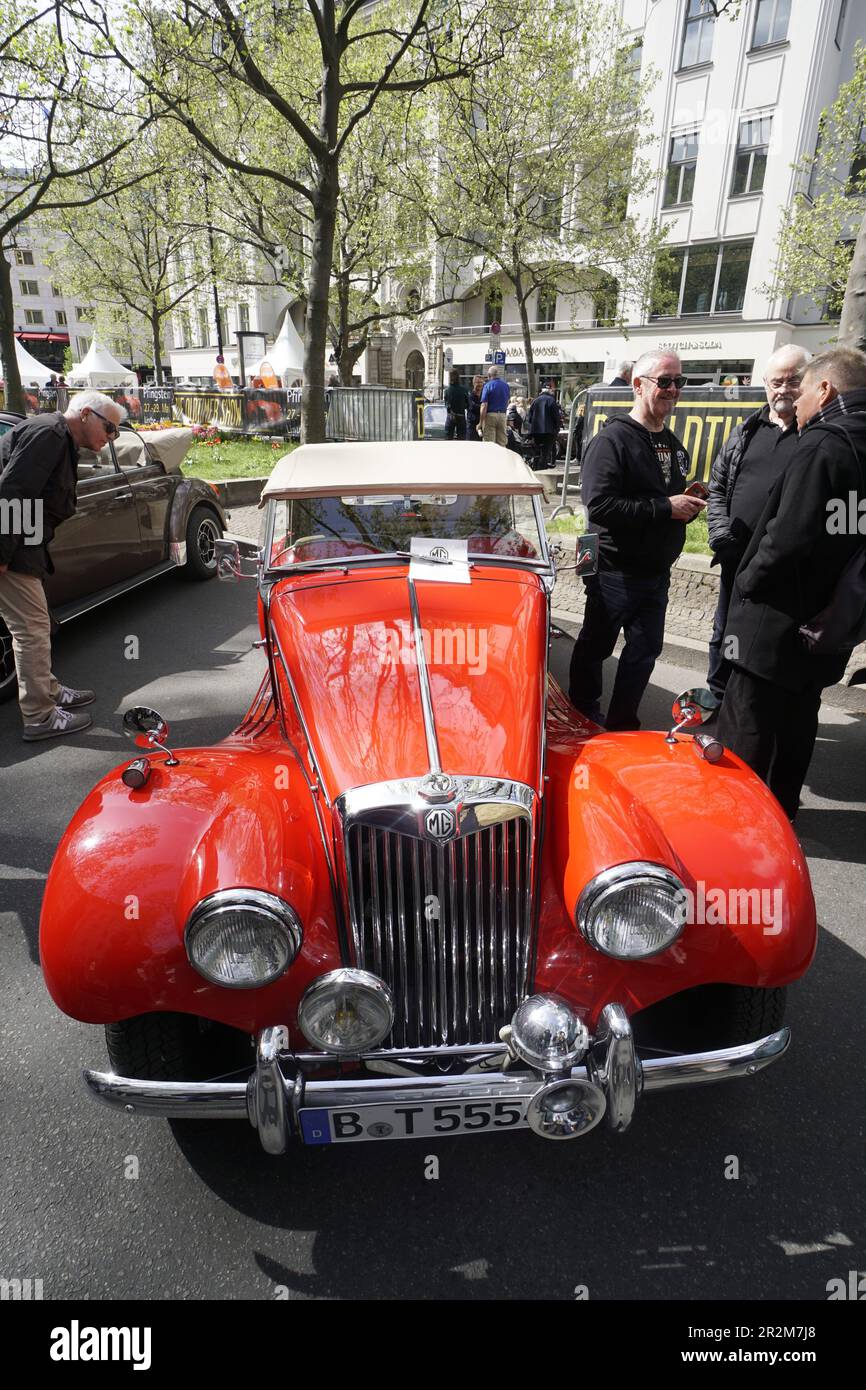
(628, 475)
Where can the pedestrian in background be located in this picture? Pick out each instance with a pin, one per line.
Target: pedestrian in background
(543, 422)
(38, 471)
(623, 374)
(804, 539)
(634, 475)
(456, 406)
(743, 475)
(494, 408)
(473, 409)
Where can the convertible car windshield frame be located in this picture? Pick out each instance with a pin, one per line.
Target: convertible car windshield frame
(541, 564)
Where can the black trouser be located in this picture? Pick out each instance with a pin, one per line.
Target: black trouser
(455, 426)
(546, 450)
(719, 669)
(635, 604)
(771, 729)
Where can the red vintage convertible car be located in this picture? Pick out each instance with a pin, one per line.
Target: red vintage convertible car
(415, 893)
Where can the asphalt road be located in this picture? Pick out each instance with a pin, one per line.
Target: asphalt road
(650, 1215)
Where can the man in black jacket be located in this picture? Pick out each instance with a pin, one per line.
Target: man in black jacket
(634, 474)
(543, 422)
(38, 469)
(769, 715)
(743, 475)
(456, 405)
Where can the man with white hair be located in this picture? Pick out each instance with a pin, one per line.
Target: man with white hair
(634, 476)
(744, 472)
(38, 471)
(624, 371)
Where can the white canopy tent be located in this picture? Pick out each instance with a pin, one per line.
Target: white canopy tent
(99, 368)
(286, 357)
(30, 369)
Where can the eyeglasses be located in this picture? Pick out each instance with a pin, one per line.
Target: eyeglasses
(111, 429)
(665, 382)
(777, 382)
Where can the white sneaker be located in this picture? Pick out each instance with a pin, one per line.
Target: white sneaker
(73, 699)
(59, 721)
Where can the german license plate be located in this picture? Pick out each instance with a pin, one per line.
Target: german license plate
(413, 1120)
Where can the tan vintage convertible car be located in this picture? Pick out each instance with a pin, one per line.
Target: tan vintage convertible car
(137, 517)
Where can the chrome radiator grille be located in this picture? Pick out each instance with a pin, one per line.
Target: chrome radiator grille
(446, 926)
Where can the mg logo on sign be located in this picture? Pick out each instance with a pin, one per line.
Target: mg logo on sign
(439, 552)
(440, 824)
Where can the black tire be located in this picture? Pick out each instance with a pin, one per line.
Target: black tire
(175, 1047)
(8, 679)
(710, 1017)
(202, 530)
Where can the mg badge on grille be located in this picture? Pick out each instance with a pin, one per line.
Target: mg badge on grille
(440, 824)
(437, 786)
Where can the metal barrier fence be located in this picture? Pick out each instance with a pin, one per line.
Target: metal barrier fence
(352, 412)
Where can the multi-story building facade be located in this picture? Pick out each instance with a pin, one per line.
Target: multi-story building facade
(736, 106)
(192, 339)
(47, 320)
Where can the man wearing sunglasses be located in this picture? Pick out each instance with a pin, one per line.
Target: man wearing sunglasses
(38, 470)
(634, 481)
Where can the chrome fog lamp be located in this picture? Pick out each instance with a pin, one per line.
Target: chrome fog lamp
(242, 938)
(347, 1012)
(547, 1034)
(632, 911)
(566, 1109)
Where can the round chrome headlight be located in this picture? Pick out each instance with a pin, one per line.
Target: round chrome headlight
(242, 938)
(346, 1011)
(632, 911)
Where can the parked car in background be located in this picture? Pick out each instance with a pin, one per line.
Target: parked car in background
(137, 517)
(435, 415)
(415, 893)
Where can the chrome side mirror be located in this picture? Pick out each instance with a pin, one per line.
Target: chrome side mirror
(691, 709)
(236, 559)
(147, 729)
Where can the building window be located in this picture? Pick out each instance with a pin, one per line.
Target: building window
(183, 334)
(698, 35)
(707, 279)
(751, 162)
(28, 286)
(203, 327)
(32, 316)
(545, 311)
(56, 292)
(771, 22)
(61, 317)
(857, 172)
(83, 311)
(23, 257)
(493, 306)
(243, 318)
(840, 23)
(82, 347)
(634, 60)
(682, 162)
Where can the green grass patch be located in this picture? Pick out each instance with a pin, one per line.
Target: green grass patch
(696, 536)
(235, 458)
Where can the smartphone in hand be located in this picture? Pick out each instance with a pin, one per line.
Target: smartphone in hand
(698, 490)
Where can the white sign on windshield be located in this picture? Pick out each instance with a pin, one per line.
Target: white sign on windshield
(443, 561)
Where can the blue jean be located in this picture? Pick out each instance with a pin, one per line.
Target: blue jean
(615, 602)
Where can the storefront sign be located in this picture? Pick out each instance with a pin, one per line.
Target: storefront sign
(681, 345)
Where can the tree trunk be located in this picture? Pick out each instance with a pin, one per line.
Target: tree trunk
(156, 347)
(531, 378)
(852, 326)
(14, 394)
(347, 359)
(316, 325)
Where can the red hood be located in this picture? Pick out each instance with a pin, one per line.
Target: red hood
(348, 643)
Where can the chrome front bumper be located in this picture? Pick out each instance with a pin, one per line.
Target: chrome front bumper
(611, 1077)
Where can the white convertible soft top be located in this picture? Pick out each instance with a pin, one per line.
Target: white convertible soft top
(334, 470)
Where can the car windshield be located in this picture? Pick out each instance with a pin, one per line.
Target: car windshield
(321, 529)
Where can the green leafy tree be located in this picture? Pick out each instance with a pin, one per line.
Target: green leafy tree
(138, 255)
(62, 126)
(822, 241)
(256, 81)
(539, 157)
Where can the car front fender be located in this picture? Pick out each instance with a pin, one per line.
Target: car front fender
(133, 864)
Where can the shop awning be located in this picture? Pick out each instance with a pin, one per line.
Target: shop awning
(43, 337)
